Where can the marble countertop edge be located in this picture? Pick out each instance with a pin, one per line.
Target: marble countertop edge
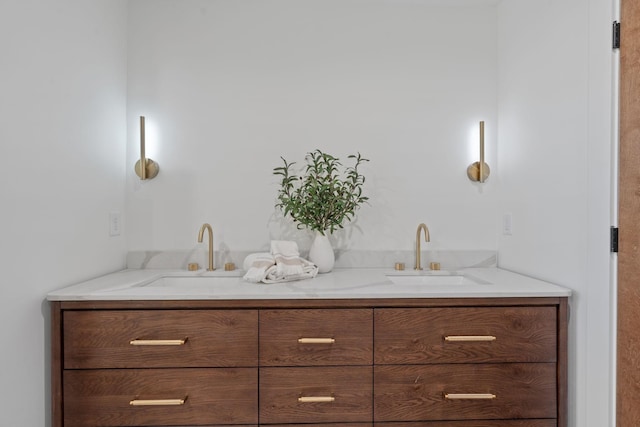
(347, 283)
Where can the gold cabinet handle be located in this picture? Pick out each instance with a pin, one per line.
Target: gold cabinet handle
(158, 402)
(158, 342)
(316, 399)
(471, 396)
(469, 338)
(316, 340)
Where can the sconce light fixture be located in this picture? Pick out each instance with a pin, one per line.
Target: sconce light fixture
(145, 168)
(479, 171)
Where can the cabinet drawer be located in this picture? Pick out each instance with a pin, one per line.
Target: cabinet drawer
(309, 337)
(332, 394)
(213, 396)
(475, 423)
(414, 393)
(326, 425)
(212, 338)
(465, 335)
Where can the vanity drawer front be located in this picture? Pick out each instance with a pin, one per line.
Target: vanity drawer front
(212, 338)
(310, 337)
(326, 425)
(329, 395)
(213, 396)
(414, 393)
(475, 423)
(465, 335)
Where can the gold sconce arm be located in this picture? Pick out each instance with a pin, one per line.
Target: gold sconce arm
(479, 171)
(150, 168)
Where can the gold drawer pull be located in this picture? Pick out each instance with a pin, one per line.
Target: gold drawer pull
(316, 399)
(158, 342)
(472, 396)
(158, 402)
(316, 340)
(469, 338)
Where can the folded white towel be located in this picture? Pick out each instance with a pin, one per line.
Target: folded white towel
(283, 264)
(287, 257)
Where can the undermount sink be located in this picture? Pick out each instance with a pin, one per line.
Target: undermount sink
(191, 281)
(434, 279)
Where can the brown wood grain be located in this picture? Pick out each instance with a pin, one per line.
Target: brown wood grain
(214, 396)
(475, 423)
(307, 303)
(279, 384)
(409, 336)
(56, 365)
(563, 363)
(415, 393)
(352, 330)
(628, 327)
(326, 425)
(351, 386)
(100, 339)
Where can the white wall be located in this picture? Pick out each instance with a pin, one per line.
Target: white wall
(227, 89)
(231, 86)
(62, 158)
(554, 154)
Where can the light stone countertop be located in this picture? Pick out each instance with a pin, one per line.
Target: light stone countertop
(151, 284)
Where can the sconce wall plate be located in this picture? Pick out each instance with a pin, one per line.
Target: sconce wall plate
(473, 172)
(151, 168)
(479, 171)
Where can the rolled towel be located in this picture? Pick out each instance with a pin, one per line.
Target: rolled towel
(259, 266)
(248, 261)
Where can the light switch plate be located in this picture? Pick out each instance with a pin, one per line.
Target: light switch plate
(507, 224)
(114, 223)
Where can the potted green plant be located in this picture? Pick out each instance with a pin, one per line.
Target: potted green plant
(322, 197)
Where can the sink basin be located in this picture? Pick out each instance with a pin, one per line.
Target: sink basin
(447, 279)
(192, 282)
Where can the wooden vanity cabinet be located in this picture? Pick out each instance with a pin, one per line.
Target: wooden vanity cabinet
(476, 362)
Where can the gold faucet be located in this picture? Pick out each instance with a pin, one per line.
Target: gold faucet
(426, 239)
(200, 236)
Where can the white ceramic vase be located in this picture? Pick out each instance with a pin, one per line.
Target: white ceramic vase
(321, 253)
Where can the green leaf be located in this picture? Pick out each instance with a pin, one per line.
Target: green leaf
(324, 195)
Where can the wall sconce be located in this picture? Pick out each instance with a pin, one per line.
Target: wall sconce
(145, 168)
(479, 171)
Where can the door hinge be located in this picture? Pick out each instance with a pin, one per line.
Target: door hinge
(614, 239)
(616, 35)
